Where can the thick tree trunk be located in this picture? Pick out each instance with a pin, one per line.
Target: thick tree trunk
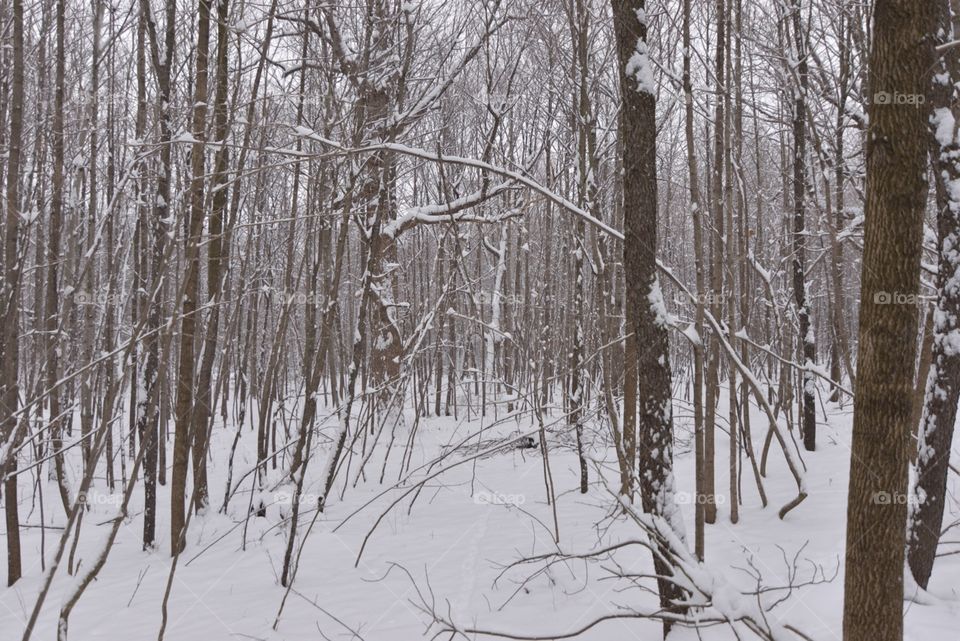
(901, 60)
(646, 313)
(939, 416)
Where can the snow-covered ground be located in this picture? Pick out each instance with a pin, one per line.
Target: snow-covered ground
(452, 549)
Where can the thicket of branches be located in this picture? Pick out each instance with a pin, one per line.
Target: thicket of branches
(239, 217)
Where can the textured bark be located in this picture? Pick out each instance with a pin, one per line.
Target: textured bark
(943, 382)
(901, 60)
(10, 292)
(920, 381)
(808, 411)
(377, 197)
(646, 312)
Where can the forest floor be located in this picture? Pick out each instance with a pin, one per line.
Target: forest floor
(452, 548)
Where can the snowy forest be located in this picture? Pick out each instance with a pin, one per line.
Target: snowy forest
(388, 320)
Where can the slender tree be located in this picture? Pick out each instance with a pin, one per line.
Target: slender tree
(697, 216)
(188, 322)
(808, 346)
(148, 412)
(10, 301)
(53, 319)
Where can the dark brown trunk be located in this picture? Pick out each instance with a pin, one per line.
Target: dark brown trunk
(646, 312)
(943, 383)
(901, 61)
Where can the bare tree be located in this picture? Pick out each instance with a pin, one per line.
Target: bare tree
(942, 386)
(808, 345)
(646, 312)
(901, 60)
(10, 299)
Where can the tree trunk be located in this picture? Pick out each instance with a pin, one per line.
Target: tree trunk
(188, 323)
(10, 292)
(943, 382)
(218, 253)
(808, 348)
(697, 214)
(901, 60)
(53, 262)
(579, 26)
(716, 274)
(646, 312)
(150, 403)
